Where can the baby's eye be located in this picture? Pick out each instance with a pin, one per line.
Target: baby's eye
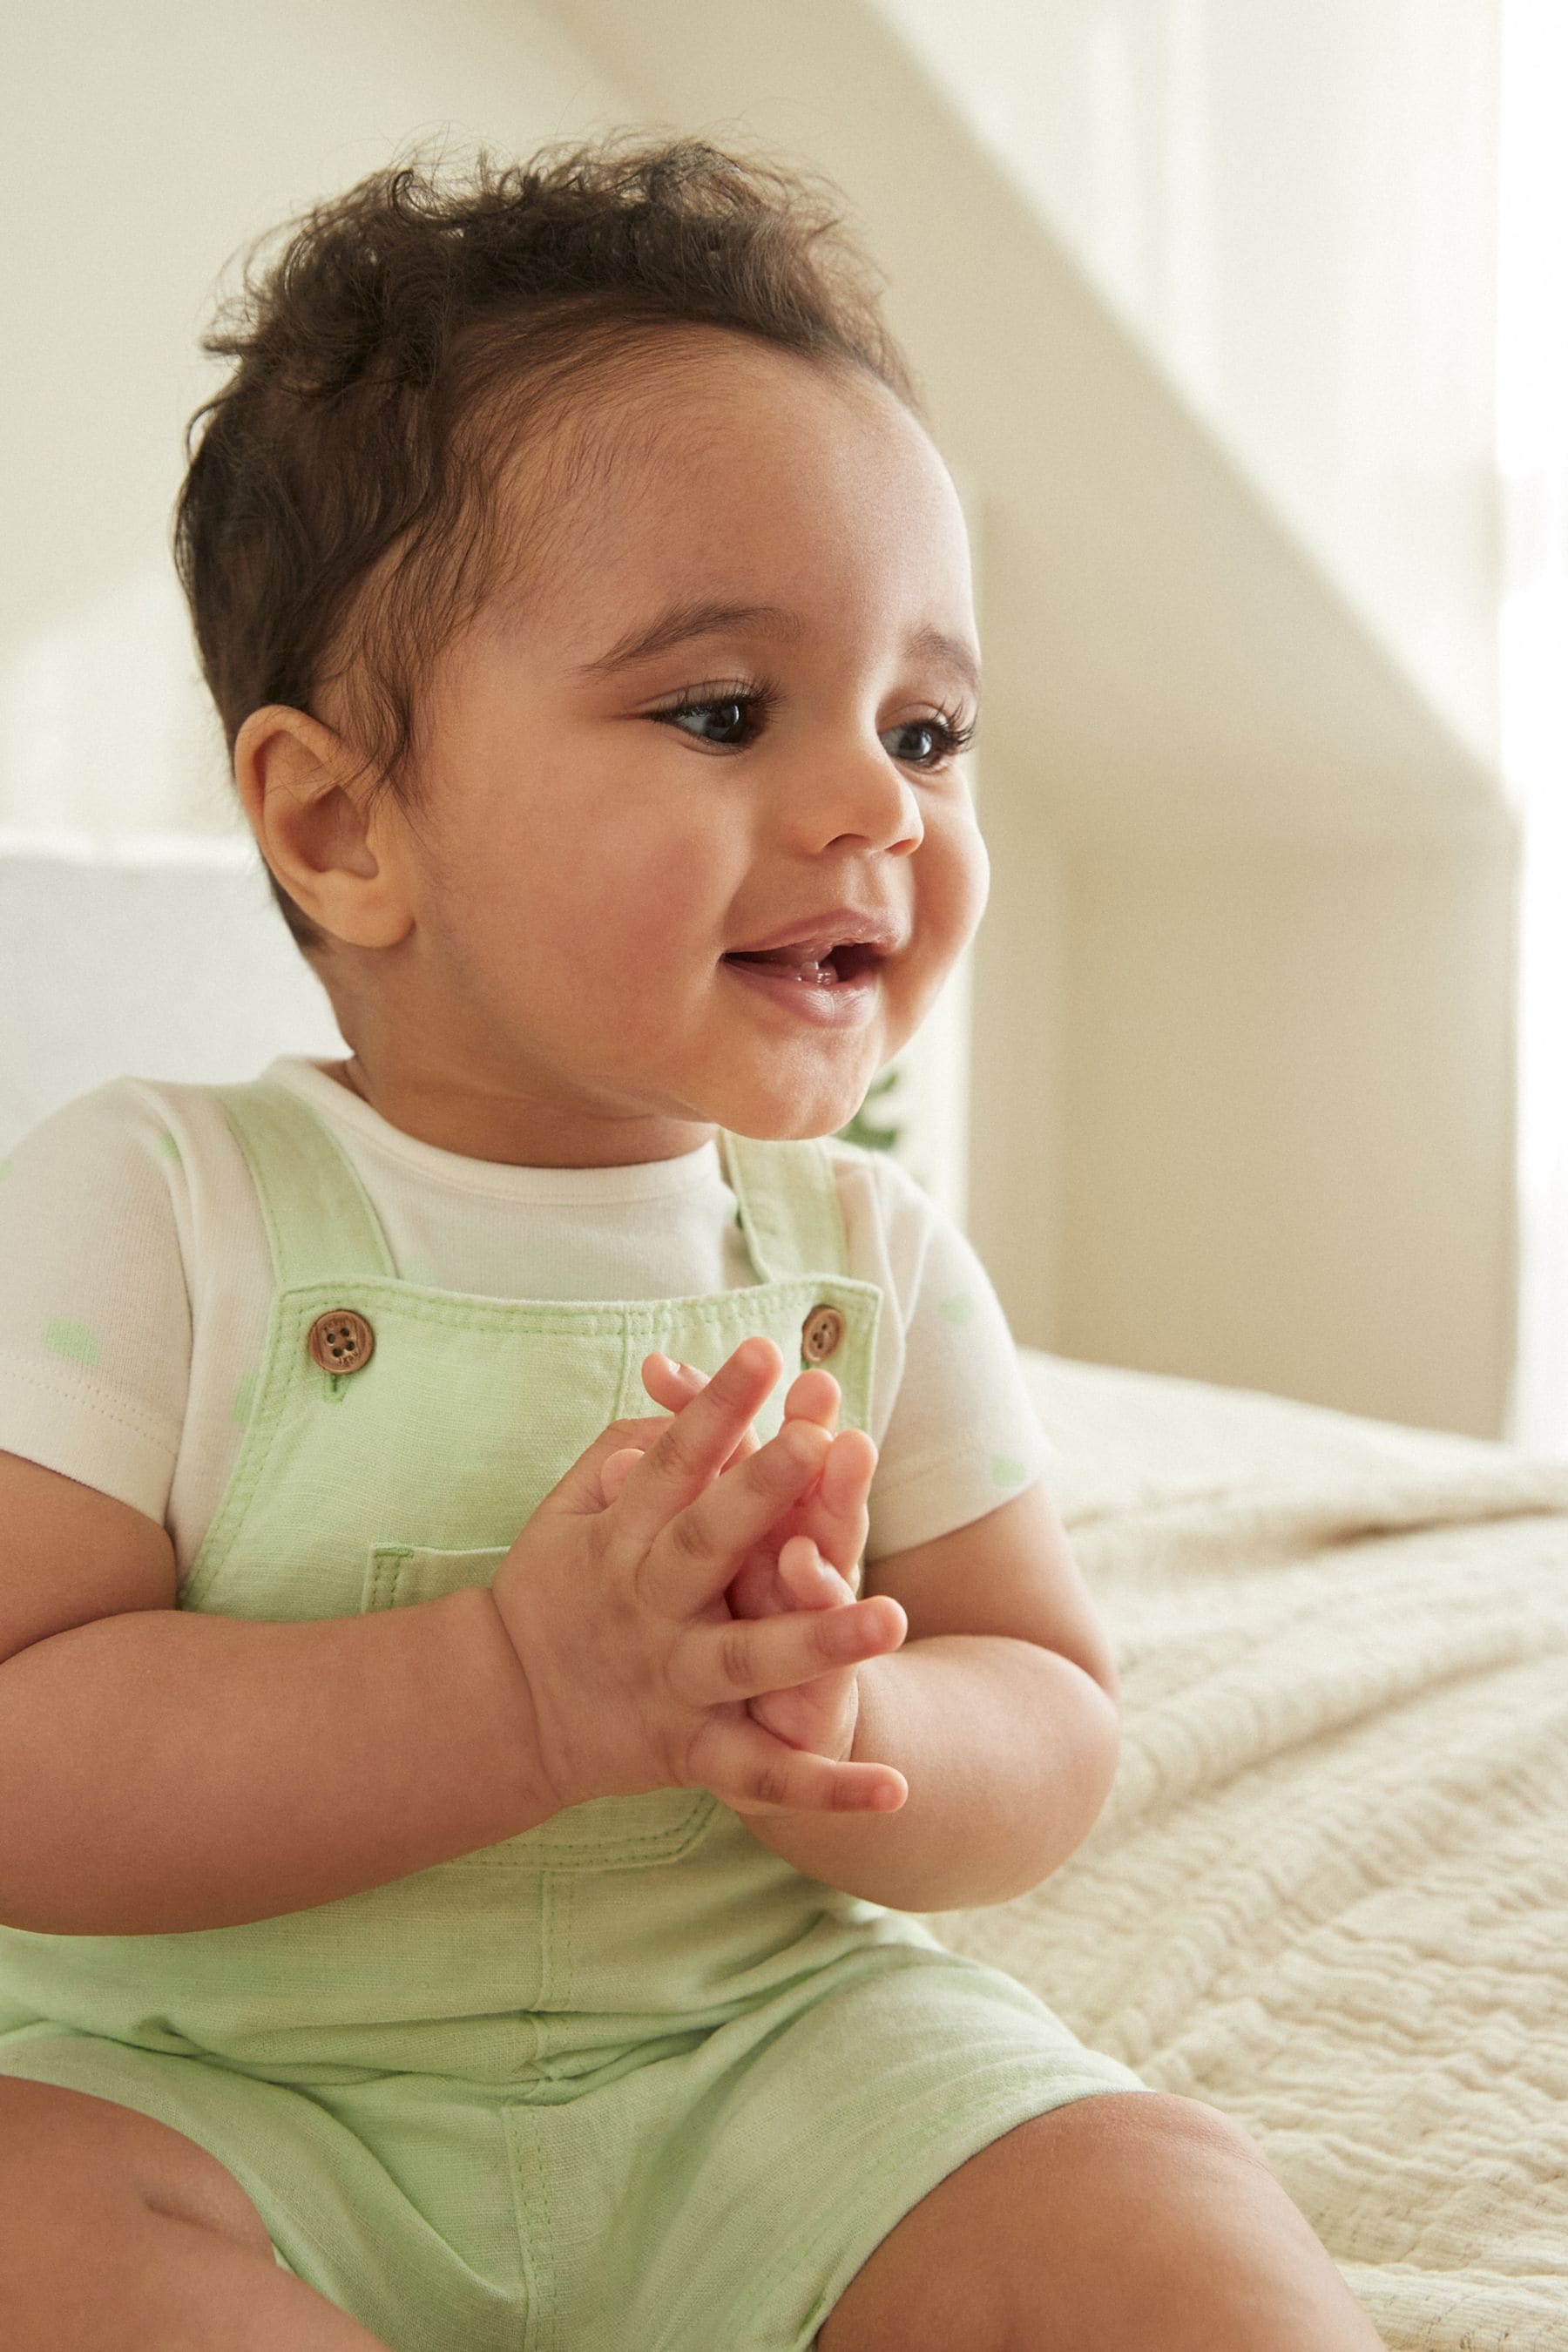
(938, 740)
(726, 718)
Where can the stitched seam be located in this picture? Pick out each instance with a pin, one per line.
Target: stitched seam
(757, 1240)
(625, 1400)
(565, 1888)
(620, 1854)
(549, 1940)
(592, 1319)
(382, 1577)
(528, 2210)
(267, 1420)
(938, 1465)
(77, 1392)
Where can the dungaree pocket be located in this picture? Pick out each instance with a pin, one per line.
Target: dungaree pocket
(607, 1833)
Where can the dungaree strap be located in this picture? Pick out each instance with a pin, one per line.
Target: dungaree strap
(789, 1205)
(319, 1220)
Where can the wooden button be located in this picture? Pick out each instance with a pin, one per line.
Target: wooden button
(821, 1333)
(342, 1342)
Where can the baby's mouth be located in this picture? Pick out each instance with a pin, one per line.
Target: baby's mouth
(839, 964)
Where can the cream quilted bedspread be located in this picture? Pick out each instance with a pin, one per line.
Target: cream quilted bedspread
(1329, 1891)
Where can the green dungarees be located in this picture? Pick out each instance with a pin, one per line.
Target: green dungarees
(629, 2082)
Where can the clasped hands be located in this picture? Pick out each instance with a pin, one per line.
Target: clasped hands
(809, 1558)
(681, 1602)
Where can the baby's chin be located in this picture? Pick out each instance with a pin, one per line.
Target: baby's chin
(769, 1108)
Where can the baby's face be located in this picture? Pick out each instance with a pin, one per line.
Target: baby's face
(719, 715)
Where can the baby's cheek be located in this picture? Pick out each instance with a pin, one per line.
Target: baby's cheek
(641, 898)
(621, 954)
(955, 884)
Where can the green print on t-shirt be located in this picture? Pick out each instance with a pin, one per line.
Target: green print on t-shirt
(63, 1338)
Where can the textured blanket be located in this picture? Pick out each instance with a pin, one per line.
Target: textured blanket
(1329, 1894)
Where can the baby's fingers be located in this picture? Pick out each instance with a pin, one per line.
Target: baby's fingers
(675, 1385)
(752, 1655)
(698, 1552)
(693, 1446)
(811, 1581)
(751, 1772)
(812, 1395)
(834, 1515)
(846, 1473)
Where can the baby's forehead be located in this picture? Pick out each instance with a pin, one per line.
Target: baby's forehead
(725, 465)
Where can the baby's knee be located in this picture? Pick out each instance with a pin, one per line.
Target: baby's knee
(1147, 2217)
(1119, 2165)
(1142, 2126)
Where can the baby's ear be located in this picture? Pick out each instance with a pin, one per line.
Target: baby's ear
(330, 837)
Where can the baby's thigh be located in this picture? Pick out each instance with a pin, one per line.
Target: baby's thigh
(68, 2156)
(1083, 2228)
(88, 2193)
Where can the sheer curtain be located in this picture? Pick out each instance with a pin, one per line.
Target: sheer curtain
(1532, 458)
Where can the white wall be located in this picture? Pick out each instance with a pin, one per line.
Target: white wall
(1290, 1086)
(146, 148)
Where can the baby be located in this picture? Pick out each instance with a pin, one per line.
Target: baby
(460, 1827)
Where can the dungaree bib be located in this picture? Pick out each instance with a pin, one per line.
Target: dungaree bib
(627, 2081)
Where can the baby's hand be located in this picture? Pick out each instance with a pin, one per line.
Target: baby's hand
(638, 1674)
(833, 1515)
(820, 1715)
(808, 1558)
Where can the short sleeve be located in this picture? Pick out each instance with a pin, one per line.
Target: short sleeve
(95, 1321)
(963, 1434)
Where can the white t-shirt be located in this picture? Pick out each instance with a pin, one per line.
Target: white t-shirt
(135, 1283)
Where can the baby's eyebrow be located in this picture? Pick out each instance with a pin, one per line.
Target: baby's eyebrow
(951, 650)
(694, 618)
(687, 620)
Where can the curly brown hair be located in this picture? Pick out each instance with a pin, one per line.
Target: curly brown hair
(410, 331)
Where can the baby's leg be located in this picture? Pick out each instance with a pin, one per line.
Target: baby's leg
(120, 2234)
(1125, 2219)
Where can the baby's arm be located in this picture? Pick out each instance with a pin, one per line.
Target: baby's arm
(1001, 1710)
(163, 1768)
(168, 1769)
